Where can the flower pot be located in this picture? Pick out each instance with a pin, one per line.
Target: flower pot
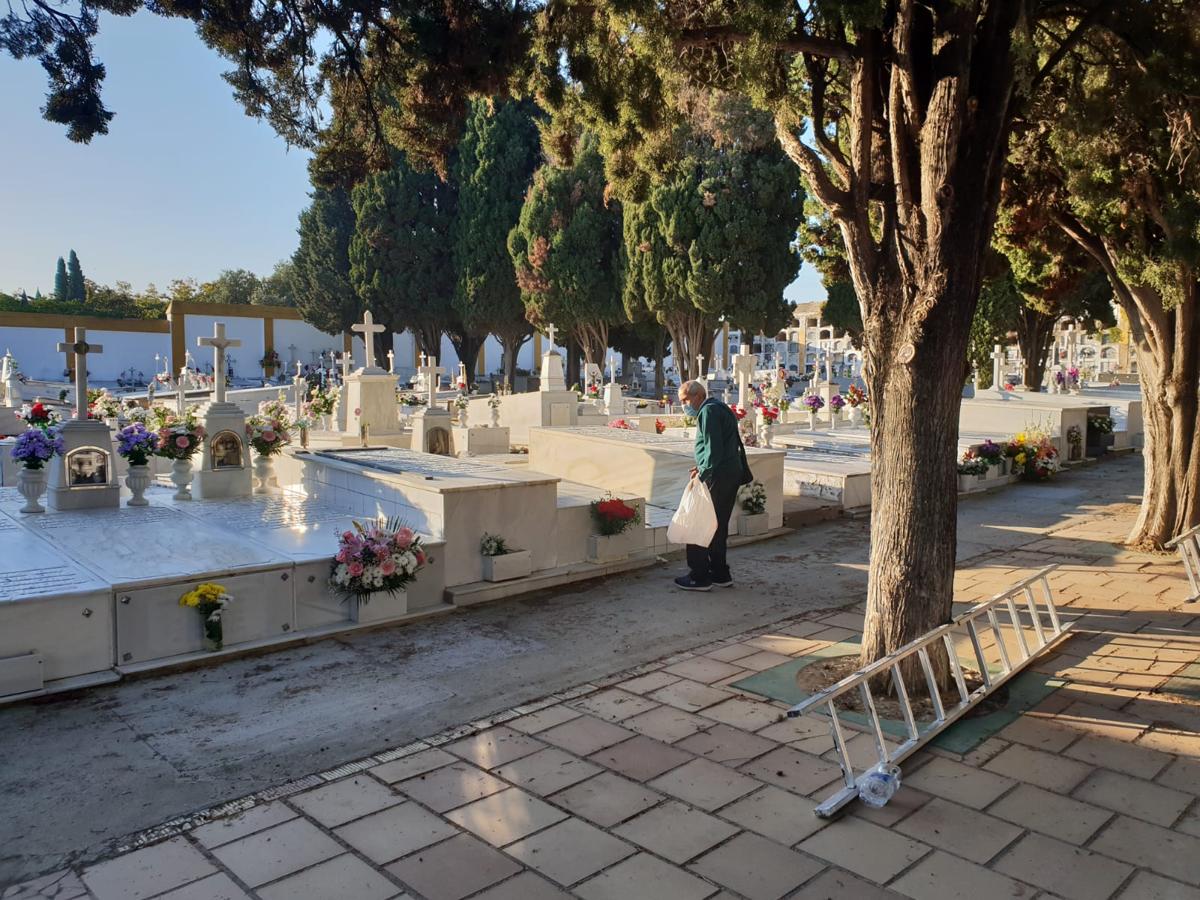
(380, 606)
(965, 483)
(495, 417)
(32, 484)
(137, 481)
(463, 418)
(327, 423)
(765, 433)
(812, 420)
(856, 416)
(507, 566)
(264, 474)
(181, 477)
(751, 524)
(604, 548)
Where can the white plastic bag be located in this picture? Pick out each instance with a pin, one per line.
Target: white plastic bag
(695, 522)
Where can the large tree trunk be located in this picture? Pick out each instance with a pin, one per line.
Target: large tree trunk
(512, 342)
(1035, 331)
(571, 349)
(660, 351)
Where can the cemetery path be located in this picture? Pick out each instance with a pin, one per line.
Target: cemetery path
(83, 771)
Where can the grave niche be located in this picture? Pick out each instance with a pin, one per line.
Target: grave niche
(226, 451)
(437, 442)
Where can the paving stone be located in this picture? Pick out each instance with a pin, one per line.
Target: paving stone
(547, 771)
(1119, 756)
(1040, 733)
(666, 723)
(1182, 743)
(641, 758)
(276, 852)
(863, 848)
(787, 644)
(964, 832)
(1067, 871)
(526, 886)
(834, 884)
(777, 814)
(962, 784)
(453, 869)
(214, 887)
(705, 784)
(222, 831)
(643, 876)
(756, 868)
(763, 660)
(505, 817)
(1148, 886)
(613, 705)
(1182, 774)
(676, 832)
(1102, 721)
(149, 871)
(940, 876)
(1049, 813)
(451, 786)
(651, 681)
(585, 735)
(412, 766)
(61, 885)
(750, 715)
(395, 832)
(570, 851)
(1133, 797)
(733, 652)
(1190, 824)
(904, 803)
(691, 696)
(544, 718)
(607, 799)
(792, 770)
(724, 744)
(342, 876)
(1046, 770)
(1150, 847)
(495, 747)
(704, 669)
(345, 800)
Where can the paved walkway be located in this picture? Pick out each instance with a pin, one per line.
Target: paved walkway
(665, 781)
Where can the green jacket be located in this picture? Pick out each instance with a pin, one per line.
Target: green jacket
(718, 446)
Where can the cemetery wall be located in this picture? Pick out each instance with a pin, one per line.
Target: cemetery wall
(33, 337)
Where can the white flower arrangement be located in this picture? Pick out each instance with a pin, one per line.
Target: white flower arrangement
(753, 498)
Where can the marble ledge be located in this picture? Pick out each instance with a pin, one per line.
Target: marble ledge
(491, 477)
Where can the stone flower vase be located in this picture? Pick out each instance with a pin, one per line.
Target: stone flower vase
(264, 472)
(495, 417)
(812, 420)
(32, 484)
(137, 481)
(856, 415)
(327, 422)
(181, 477)
(462, 418)
(214, 635)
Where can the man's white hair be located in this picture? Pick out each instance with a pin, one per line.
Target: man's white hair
(692, 390)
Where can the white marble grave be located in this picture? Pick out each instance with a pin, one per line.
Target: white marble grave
(84, 475)
(371, 407)
(224, 466)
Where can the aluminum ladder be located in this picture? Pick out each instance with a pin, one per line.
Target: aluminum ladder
(1188, 544)
(1032, 635)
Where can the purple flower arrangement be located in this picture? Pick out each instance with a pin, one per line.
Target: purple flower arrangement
(137, 444)
(36, 446)
(836, 402)
(814, 402)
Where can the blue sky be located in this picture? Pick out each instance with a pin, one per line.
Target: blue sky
(183, 185)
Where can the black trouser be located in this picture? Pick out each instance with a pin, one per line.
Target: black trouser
(707, 564)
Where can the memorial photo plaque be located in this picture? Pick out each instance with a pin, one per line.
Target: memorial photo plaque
(87, 467)
(226, 450)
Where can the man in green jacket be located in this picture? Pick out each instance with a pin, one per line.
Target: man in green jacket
(721, 465)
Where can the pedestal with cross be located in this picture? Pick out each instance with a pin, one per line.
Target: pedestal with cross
(84, 475)
(224, 467)
(744, 364)
(552, 378)
(614, 398)
(431, 425)
(370, 395)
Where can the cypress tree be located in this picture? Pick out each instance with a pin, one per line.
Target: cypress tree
(324, 295)
(61, 284)
(75, 287)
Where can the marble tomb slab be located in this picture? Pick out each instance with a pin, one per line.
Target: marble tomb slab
(840, 478)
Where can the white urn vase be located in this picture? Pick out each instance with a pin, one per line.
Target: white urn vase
(812, 420)
(462, 417)
(327, 423)
(495, 417)
(263, 472)
(137, 481)
(856, 415)
(181, 477)
(32, 484)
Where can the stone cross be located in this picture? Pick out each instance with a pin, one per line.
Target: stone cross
(181, 386)
(612, 369)
(391, 363)
(220, 344)
(433, 376)
(368, 329)
(550, 335)
(700, 367)
(81, 348)
(347, 360)
(997, 376)
(743, 370)
(828, 367)
(975, 378)
(462, 372)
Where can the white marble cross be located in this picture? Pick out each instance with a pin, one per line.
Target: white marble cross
(699, 366)
(391, 362)
(433, 377)
(181, 386)
(81, 348)
(462, 372)
(612, 369)
(368, 329)
(744, 364)
(997, 362)
(347, 360)
(550, 336)
(220, 344)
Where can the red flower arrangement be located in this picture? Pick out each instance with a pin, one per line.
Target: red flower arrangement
(36, 416)
(769, 413)
(612, 515)
(659, 426)
(738, 411)
(620, 423)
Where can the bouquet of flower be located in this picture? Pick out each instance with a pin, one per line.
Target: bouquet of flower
(659, 426)
(322, 400)
(494, 401)
(493, 545)
(1073, 375)
(412, 400)
(856, 396)
(990, 452)
(836, 402)
(689, 421)
(136, 444)
(269, 431)
(1059, 378)
(136, 413)
(972, 465)
(1074, 436)
(180, 438)
(1033, 455)
(738, 411)
(270, 360)
(814, 402)
(785, 404)
(210, 600)
(1100, 423)
(621, 424)
(384, 556)
(37, 416)
(769, 414)
(593, 390)
(753, 498)
(460, 402)
(35, 447)
(613, 515)
(103, 405)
